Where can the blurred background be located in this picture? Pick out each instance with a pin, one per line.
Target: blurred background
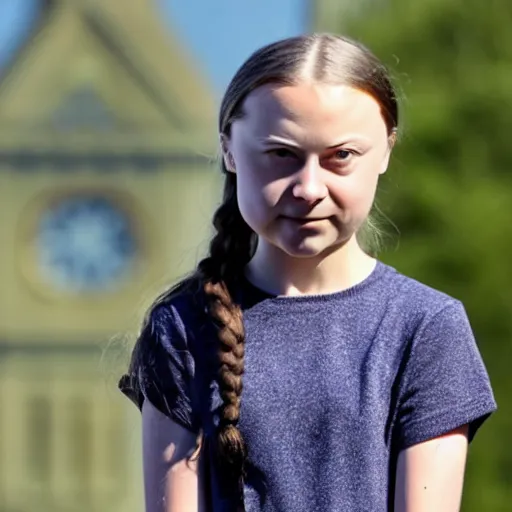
(108, 180)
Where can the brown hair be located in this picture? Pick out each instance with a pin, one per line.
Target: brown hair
(322, 58)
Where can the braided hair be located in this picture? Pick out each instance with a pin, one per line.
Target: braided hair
(230, 250)
(214, 283)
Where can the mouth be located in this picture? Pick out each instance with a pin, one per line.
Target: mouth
(303, 220)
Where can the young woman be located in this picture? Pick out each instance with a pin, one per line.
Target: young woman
(293, 372)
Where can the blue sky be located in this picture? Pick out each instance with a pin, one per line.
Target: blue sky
(220, 33)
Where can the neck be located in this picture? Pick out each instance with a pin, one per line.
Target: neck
(278, 273)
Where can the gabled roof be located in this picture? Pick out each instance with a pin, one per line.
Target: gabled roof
(117, 55)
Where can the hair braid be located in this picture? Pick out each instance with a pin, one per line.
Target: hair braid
(230, 250)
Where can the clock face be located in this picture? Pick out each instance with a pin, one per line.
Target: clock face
(85, 243)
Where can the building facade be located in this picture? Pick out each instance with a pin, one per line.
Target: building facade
(107, 185)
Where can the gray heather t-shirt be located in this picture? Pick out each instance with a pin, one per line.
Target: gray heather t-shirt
(334, 387)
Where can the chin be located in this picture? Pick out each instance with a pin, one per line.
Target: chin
(306, 249)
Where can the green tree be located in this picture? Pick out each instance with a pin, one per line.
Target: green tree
(449, 185)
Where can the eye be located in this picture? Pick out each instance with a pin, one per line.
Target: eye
(341, 160)
(282, 153)
(343, 154)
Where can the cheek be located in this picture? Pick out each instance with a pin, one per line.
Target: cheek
(356, 192)
(259, 183)
(257, 195)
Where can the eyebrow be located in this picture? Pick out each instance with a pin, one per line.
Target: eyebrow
(274, 139)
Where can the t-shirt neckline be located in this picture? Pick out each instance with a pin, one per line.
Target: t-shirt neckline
(257, 294)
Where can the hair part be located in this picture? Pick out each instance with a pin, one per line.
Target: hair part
(323, 58)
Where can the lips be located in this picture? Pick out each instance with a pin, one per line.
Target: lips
(303, 220)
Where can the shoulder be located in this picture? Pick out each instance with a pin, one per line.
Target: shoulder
(414, 294)
(417, 302)
(163, 366)
(172, 321)
(443, 380)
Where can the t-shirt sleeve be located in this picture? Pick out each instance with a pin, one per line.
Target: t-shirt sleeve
(445, 382)
(162, 370)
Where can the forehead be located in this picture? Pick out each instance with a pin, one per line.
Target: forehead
(312, 108)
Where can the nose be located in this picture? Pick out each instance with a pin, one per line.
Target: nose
(308, 184)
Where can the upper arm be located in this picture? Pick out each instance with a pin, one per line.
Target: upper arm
(445, 395)
(163, 368)
(162, 382)
(172, 482)
(430, 475)
(445, 383)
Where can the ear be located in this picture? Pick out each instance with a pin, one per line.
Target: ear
(391, 145)
(227, 156)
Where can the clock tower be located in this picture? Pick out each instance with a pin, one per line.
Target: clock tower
(107, 186)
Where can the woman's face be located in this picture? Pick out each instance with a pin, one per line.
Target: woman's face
(307, 159)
